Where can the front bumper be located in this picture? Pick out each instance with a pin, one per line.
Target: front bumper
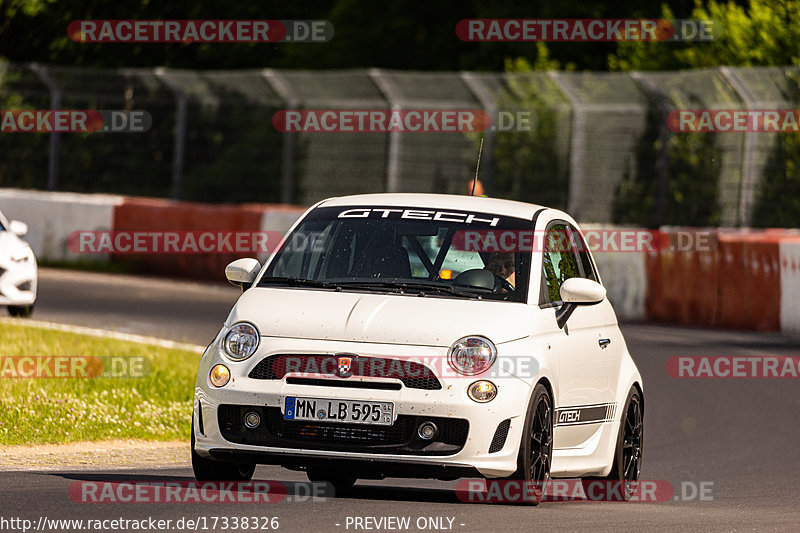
(467, 443)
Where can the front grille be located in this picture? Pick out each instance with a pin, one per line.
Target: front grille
(500, 436)
(401, 437)
(414, 375)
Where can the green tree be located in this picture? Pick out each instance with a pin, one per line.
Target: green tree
(531, 165)
(402, 34)
(761, 33)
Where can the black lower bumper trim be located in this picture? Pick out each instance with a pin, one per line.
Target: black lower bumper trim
(364, 468)
(401, 438)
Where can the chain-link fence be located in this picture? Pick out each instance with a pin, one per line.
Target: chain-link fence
(599, 144)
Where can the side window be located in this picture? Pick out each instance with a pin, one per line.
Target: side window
(559, 262)
(584, 256)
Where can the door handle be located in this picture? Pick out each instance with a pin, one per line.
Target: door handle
(604, 343)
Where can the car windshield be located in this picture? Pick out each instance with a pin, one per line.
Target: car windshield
(420, 251)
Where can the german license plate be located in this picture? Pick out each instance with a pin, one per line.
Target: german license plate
(344, 411)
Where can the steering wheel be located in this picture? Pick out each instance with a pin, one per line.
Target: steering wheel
(501, 284)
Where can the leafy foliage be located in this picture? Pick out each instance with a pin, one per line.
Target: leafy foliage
(527, 165)
(762, 33)
(402, 34)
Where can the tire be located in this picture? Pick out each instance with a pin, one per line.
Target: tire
(211, 470)
(536, 448)
(20, 311)
(622, 482)
(341, 481)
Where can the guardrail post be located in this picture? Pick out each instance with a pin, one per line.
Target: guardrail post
(180, 132)
(749, 170)
(393, 163)
(577, 140)
(55, 137)
(662, 159)
(288, 152)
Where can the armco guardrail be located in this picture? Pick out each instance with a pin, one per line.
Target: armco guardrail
(738, 279)
(153, 215)
(747, 280)
(790, 285)
(53, 217)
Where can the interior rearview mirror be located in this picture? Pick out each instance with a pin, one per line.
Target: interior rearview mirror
(575, 292)
(243, 272)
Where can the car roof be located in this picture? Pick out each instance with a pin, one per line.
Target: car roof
(438, 201)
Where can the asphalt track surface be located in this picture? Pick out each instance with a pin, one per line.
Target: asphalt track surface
(741, 436)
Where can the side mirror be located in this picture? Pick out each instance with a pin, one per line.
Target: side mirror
(243, 272)
(20, 229)
(575, 292)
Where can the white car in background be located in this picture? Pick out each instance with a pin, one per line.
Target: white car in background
(380, 340)
(18, 269)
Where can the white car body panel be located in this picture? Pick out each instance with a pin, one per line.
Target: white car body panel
(18, 278)
(582, 375)
(371, 318)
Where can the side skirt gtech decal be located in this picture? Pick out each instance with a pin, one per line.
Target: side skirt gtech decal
(585, 414)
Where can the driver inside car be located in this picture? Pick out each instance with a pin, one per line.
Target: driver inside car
(501, 264)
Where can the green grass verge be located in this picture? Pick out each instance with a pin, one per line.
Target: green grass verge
(157, 406)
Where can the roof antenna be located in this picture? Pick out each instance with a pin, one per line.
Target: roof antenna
(477, 167)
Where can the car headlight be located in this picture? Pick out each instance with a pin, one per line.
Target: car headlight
(472, 355)
(22, 255)
(241, 341)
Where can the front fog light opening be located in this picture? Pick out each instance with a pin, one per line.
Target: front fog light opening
(219, 375)
(252, 420)
(482, 391)
(427, 431)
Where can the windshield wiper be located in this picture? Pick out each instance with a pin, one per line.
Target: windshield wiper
(297, 282)
(416, 286)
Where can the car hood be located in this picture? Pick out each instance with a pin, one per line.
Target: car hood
(379, 318)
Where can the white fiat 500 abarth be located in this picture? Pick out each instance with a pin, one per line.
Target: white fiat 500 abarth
(421, 335)
(18, 270)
